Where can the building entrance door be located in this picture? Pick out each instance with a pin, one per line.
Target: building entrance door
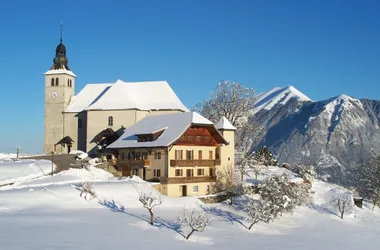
(184, 190)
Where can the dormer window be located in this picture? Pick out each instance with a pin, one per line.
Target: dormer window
(149, 137)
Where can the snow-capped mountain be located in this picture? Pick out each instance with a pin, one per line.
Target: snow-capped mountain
(336, 135)
(269, 99)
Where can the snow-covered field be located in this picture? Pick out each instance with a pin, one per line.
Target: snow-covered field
(48, 213)
(22, 170)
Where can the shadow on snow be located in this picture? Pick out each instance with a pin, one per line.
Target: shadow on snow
(158, 221)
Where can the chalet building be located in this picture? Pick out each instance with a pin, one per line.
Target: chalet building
(184, 151)
(99, 113)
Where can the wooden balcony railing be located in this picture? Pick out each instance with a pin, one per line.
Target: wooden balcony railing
(132, 163)
(181, 180)
(193, 163)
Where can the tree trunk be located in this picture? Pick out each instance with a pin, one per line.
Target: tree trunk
(250, 226)
(373, 208)
(256, 176)
(188, 236)
(151, 216)
(231, 201)
(341, 215)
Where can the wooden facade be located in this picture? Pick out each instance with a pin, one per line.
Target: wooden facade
(198, 136)
(194, 163)
(132, 163)
(184, 180)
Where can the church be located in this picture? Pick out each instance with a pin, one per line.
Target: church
(142, 127)
(99, 113)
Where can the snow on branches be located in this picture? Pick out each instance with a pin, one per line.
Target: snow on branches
(258, 210)
(344, 203)
(149, 200)
(194, 218)
(87, 190)
(282, 194)
(370, 181)
(235, 102)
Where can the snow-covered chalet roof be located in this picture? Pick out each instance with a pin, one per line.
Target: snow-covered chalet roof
(60, 71)
(174, 125)
(153, 95)
(224, 124)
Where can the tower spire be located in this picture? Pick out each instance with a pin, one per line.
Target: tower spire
(61, 31)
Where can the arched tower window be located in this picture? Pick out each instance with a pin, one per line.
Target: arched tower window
(52, 82)
(110, 121)
(56, 81)
(68, 82)
(71, 83)
(79, 123)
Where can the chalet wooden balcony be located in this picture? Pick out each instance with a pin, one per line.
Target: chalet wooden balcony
(132, 163)
(184, 180)
(193, 163)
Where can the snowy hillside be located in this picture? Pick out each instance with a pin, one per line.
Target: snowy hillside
(48, 213)
(278, 95)
(335, 135)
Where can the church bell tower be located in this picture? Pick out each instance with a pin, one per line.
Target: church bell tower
(59, 88)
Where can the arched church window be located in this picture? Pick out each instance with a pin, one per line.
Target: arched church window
(68, 82)
(110, 121)
(71, 83)
(56, 81)
(79, 123)
(52, 82)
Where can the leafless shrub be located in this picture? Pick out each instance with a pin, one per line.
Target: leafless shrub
(194, 218)
(87, 190)
(227, 183)
(149, 200)
(258, 211)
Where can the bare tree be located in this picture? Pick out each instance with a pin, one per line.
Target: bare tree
(369, 182)
(235, 102)
(264, 156)
(307, 173)
(343, 204)
(376, 198)
(258, 210)
(227, 183)
(149, 201)
(194, 218)
(243, 164)
(282, 194)
(87, 189)
(246, 163)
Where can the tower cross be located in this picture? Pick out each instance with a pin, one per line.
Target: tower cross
(61, 31)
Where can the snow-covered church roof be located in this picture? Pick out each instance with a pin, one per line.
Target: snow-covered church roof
(153, 95)
(173, 126)
(225, 124)
(60, 71)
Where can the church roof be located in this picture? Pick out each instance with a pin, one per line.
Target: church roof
(59, 71)
(139, 95)
(174, 125)
(224, 124)
(88, 95)
(154, 95)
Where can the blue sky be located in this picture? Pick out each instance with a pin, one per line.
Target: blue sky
(323, 48)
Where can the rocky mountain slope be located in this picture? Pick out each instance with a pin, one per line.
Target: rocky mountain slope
(335, 135)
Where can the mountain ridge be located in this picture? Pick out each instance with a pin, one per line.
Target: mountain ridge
(337, 135)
